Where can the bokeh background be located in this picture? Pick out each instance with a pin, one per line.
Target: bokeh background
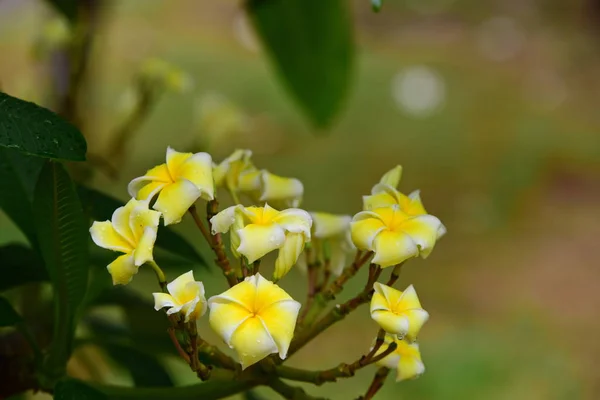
(491, 108)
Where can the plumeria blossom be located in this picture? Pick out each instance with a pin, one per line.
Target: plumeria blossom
(333, 231)
(260, 230)
(179, 182)
(261, 186)
(239, 175)
(132, 231)
(406, 358)
(385, 194)
(255, 318)
(394, 235)
(186, 296)
(398, 313)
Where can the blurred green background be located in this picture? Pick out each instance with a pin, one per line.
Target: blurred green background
(491, 108)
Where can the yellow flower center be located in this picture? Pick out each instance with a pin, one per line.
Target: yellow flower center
(261, 215)
(392, 217)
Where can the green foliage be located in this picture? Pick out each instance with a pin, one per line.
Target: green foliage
(62, 236)
(146, 370)
(100, 206)
(311, 44)
(34, 130)
(8, 316)
(68, 8)
(20, 265)
(376, 5)
(72, 389)
(18, 176)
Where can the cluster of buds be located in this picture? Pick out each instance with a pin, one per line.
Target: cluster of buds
(255, 317)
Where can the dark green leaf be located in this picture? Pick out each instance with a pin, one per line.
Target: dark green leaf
(68, 8)
(311, 44)
(20, 265)
(63, 240)
(376, 5)
(146, 326)
(145, 369)
(8, 316)
(18, 176)
(32, 129)
(100, 206)
(216, 388)
(72, 389)
(252, 395)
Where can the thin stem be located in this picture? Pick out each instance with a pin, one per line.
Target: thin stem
(160, 275)
(207, 236)
(322, 298)
(256, 267)
(378, 343)
(338, 313)
(331, 375)
(215, 241)
(216, 356)
(395, 274)
(234, 196)
(180, 350)
(290, 392)
(376, 384)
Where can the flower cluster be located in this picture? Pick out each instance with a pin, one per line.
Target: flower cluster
(255, 317)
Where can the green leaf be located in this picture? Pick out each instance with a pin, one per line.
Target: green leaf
(34, 130)
(145, 369)
(72, 389)
(376, 5)
(63, 238)
(216, 388)
(20, 265)
(8, 315)
(100, 206)
(145, 326)
(311, 45)
(68, 8)
(18, 176)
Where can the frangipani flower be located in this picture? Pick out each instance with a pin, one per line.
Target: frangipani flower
(394, 235)
(406, 359)
(261, 186)
(179, 182)
(132, 230)
(185, 296)
(385, 194)
(260, 230)
(398, 313)
(227, 173)
(239, 175)
(255, 318)
(335, 231)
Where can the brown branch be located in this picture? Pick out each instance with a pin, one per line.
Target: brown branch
(338, 313)
(376, 384)
(331, 375)
(215, 241)
(180, 350)
(395, 274)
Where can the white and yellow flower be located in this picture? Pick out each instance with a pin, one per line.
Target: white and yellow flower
(263, 186)
(333, 231)
(260, 230)
(398, 313)
(405, 359)
(393, 235)
(186, 296)
(179, 182)
(132, 230)
(255, 318)
(239, 175)
(385, 194)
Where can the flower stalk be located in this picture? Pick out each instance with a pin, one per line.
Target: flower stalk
(376, 384)
(331, 375)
